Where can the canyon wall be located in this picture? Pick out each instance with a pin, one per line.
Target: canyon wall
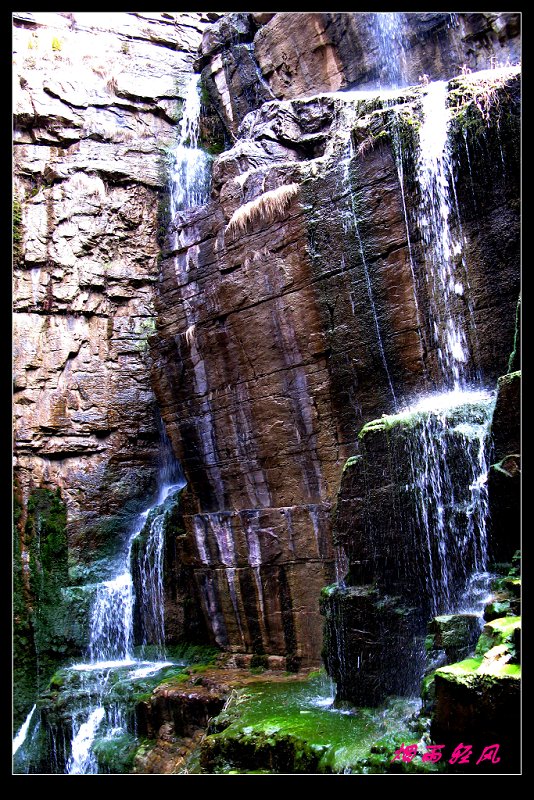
(291, 310)
(247, 59)
(97, 101)
(294, 308)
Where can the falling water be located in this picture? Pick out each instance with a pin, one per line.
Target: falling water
(111, 619)
(391, 51)
(151, 599)
(23, 732)
(111, 637)
(449, 468)
(440, 455)
(189, 174)
(82, 761)
(443, 251)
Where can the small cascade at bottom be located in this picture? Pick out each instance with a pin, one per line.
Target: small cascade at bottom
(97, 692)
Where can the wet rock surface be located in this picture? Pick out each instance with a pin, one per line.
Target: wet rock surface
(287, 317)
(248, 59)
(504, 480)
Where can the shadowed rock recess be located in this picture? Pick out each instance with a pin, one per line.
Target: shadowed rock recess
(266, 344)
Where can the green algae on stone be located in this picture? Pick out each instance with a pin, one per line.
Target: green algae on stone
(472, 670)
(293, 727)
(497, 631)
(465, 415)
(455, 633)
(42, 627)
(496, 610)
(115, 754)
(466, 667)
(351, 461)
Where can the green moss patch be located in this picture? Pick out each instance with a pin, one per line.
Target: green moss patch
(292, 728)
(497, 632)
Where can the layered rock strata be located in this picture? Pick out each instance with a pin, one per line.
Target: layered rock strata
(293, 309)
(97, 99)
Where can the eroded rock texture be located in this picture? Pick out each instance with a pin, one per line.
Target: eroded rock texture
(504, 480)
(96, 104)
(97, 99)
(293, 309)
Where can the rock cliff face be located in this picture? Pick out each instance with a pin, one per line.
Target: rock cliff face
(294, 309)
(250, 58)
(97, 98)
(288, 311)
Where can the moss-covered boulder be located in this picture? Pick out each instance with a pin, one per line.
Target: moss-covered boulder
(478, 702)
(502, 631)
(497, 609)
(456, 634)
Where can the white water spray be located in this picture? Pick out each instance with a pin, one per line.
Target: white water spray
(23, 731)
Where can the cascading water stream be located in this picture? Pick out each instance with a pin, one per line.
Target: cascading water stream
(189, 180)
(441, 506)
(111, 639)
(443, 250)
(20, 738)
(451, 509)
(390, 41)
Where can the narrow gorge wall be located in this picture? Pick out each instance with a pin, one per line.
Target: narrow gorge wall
(97, 99)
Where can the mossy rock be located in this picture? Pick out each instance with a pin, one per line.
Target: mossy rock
(496, 610)
(478, 701)
(455, 633)
(428, 693)
(116, 754)
(469, 671)
(496, 632)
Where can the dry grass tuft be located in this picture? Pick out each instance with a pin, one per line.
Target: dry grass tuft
(479, 90)
(264, 208)
(190, 335)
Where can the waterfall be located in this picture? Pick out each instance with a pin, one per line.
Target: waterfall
(129, 608)
(111, 638)
(82, 761)
(443, 250)
(435, 519)
(389, 37)
(111, 620)
(451, 508)
(20, 738)
(189, 184)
